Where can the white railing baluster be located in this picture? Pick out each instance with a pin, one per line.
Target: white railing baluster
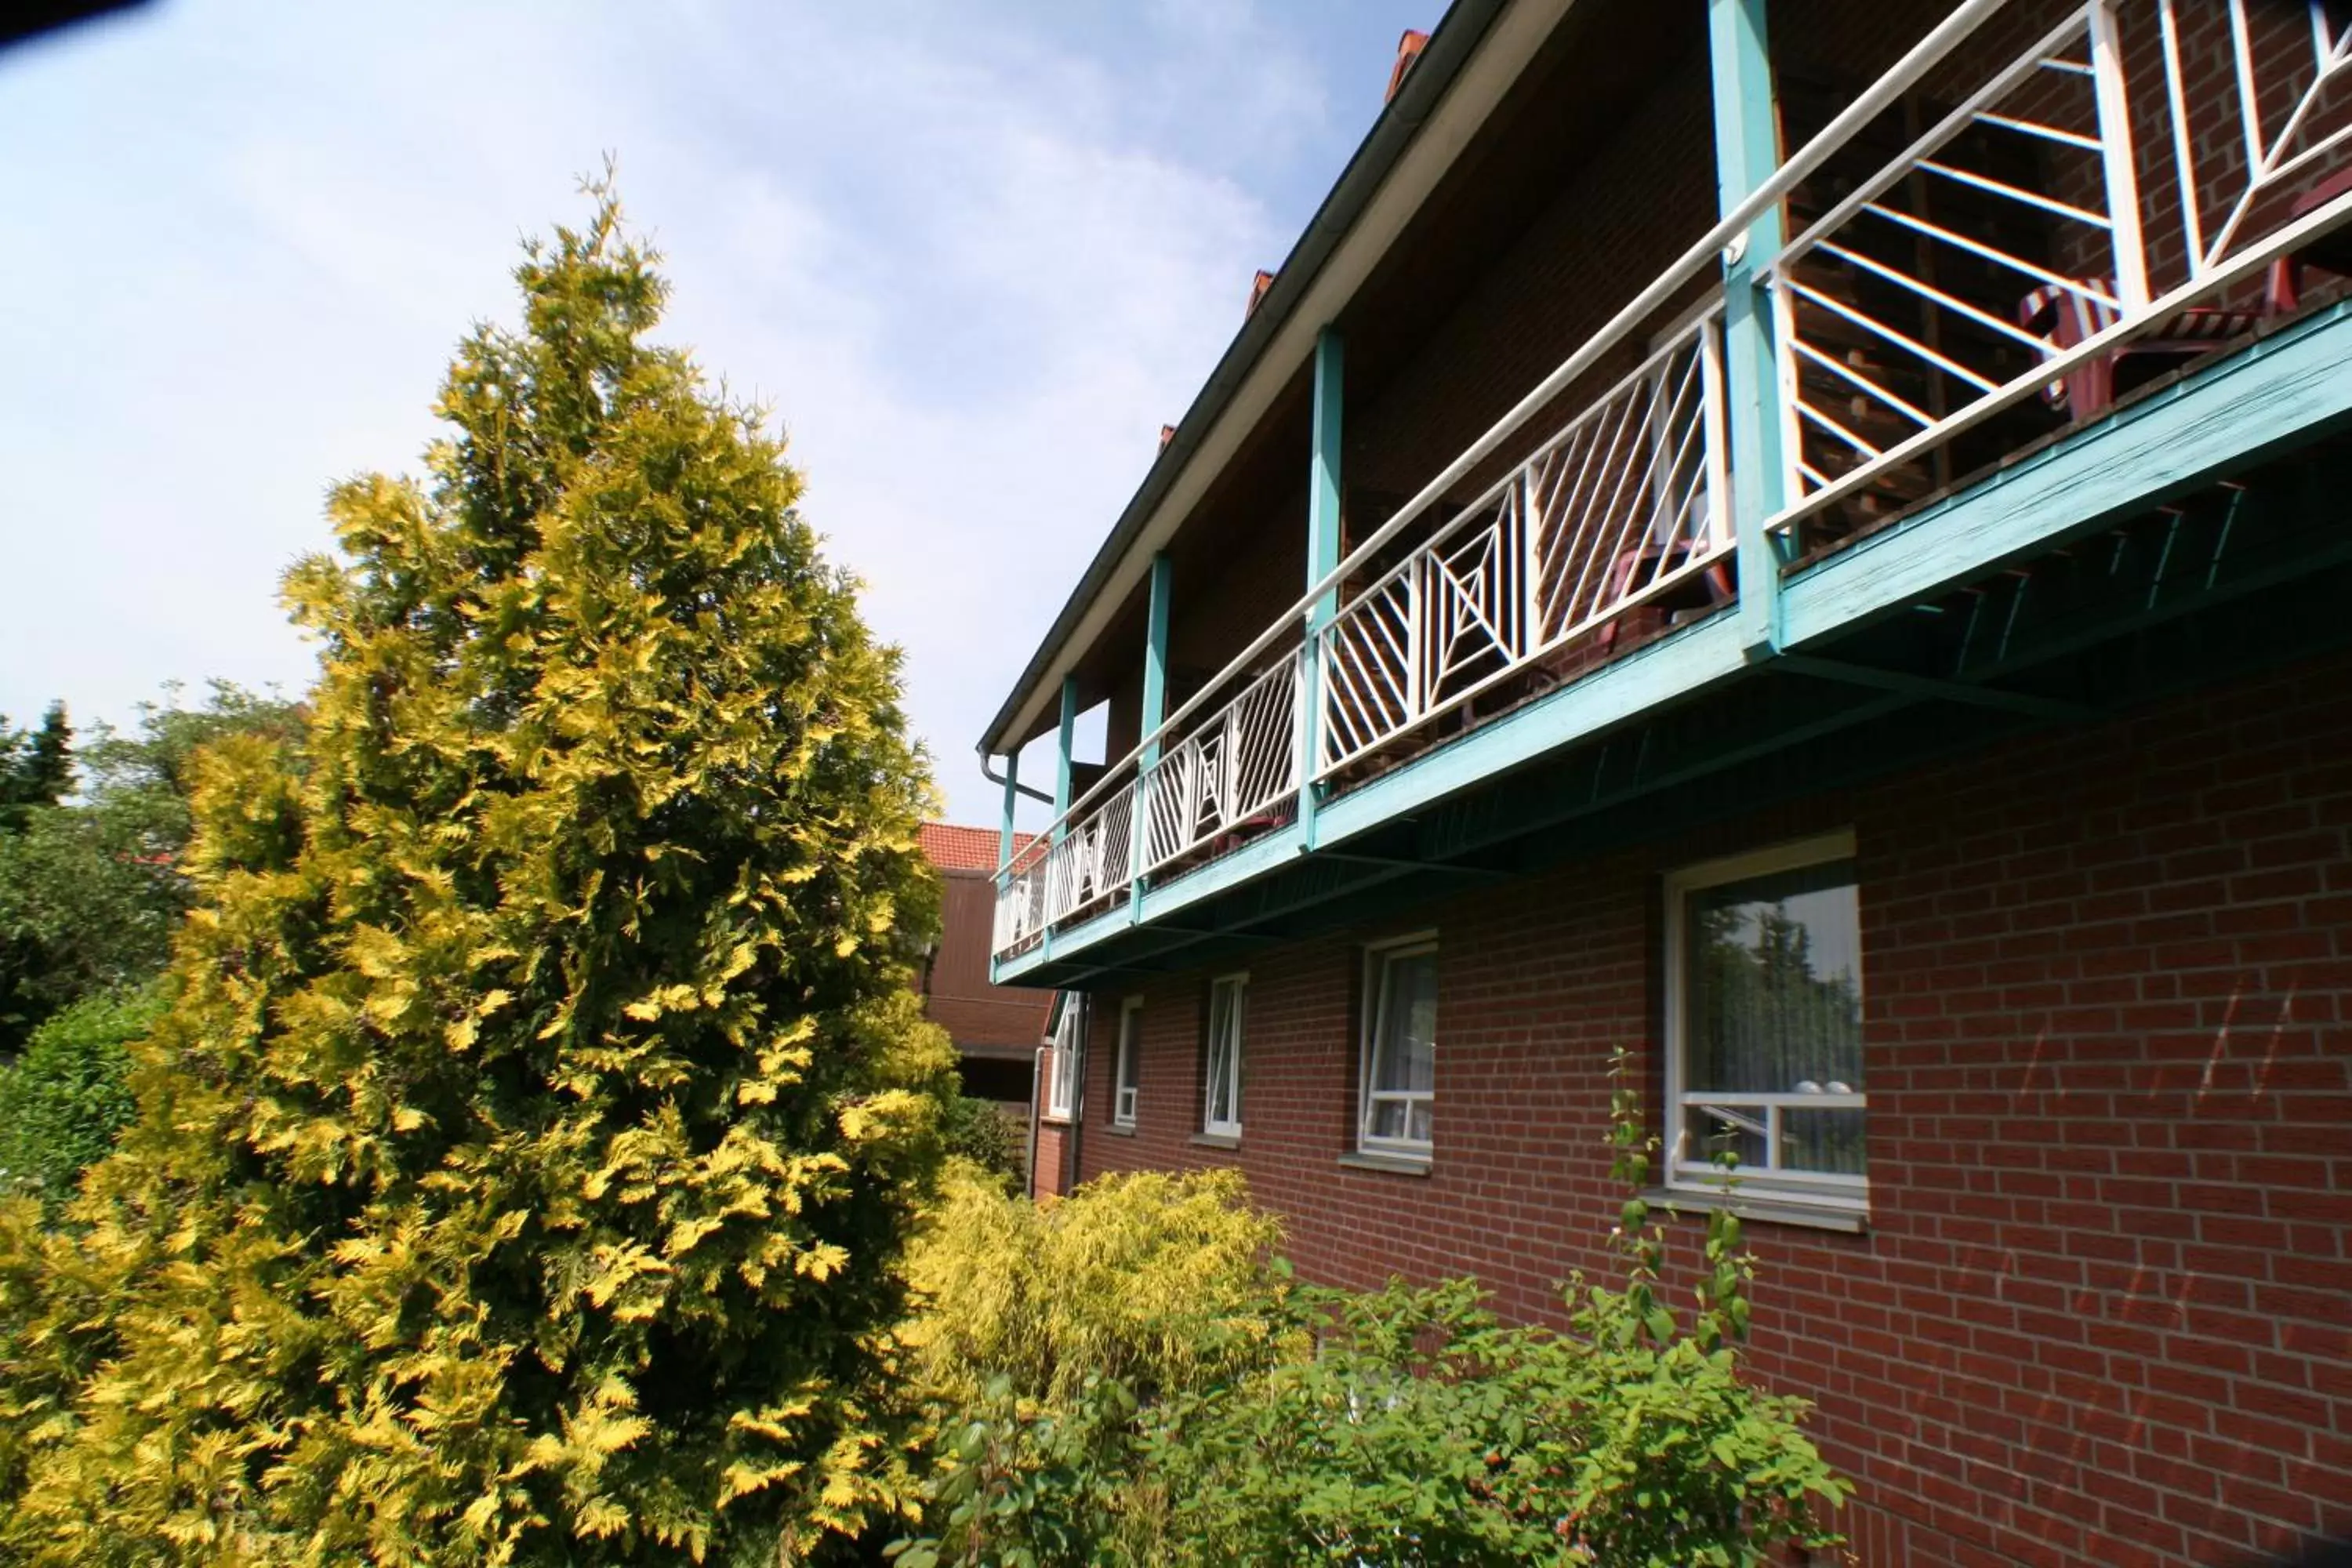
(2118, 158)
(2184, 157)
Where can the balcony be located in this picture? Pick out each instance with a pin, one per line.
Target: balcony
(2116, 197)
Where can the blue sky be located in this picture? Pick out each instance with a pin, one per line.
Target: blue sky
(975, 255)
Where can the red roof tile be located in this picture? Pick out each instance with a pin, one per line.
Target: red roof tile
(953, 848)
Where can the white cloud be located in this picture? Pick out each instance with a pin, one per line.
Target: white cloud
(973, 269)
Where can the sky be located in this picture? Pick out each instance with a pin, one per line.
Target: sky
(973, 255)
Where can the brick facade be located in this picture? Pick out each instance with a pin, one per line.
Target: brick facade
(996, 1028)
(2103, 1308)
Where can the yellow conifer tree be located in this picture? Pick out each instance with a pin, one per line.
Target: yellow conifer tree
(522, 1164)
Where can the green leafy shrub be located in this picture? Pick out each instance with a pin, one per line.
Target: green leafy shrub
(1081, 1423)
(1156, 1281)
(1042, 1328)
(1426, 1432)
(976, 1131)
(62, 1102)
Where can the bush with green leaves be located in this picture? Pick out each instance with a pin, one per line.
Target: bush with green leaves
(1425, 1431)
(1154, 1280)
(1400, 1428)
(1042, 1330)
(975, 1130)
(63, 1102)
(92, 888)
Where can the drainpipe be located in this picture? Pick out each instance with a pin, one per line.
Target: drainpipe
(1037, 1108)
(1008, 778)
(1086, 1006)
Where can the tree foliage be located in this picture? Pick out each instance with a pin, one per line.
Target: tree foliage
(91, 889)
(35, 772)
(35, 767)
(521, 1172)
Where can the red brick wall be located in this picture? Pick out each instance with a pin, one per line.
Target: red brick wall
(1050, 1175)
(957, 993)
(2103, 1310)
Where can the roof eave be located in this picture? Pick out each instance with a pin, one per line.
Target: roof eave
(1451, 45)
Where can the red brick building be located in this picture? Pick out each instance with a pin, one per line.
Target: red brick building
(1806, 542)
(997, 1029)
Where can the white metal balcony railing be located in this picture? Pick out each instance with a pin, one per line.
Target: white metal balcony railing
(2131, 176)
(1231, 771)
(2134, 187)
(1629, 499)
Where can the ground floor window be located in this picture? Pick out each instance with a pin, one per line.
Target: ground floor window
(1123, 1077)
(1398, 1073)
(1764, 1024)
(1063, 1059)
(1221, 1101)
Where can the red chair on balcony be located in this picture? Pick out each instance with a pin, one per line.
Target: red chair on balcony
(2068, 316)
(1711, 585)
(2330, 252)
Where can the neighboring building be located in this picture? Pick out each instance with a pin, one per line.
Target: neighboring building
(1853, 605)
(997, 1029)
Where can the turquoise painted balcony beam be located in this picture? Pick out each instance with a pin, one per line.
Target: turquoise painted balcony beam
(1154, 714)
(1323, 500)
(1262, 854)
(2278, 392)
(1006, 836)
(1155, 660)
(1069, 736)
(1903, 683)
(1747, 154)
(1673, 668)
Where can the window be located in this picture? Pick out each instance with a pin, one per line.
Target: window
(1399, 1062)
(1130, 1029)
(1064, 1061)
(1764, 1024)
(1221, 1101)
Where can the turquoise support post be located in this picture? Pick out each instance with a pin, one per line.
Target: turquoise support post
(1155, 711)
(1155, 660)
(1062, 756)
(1322, 559)
(1747, 150)
(1011, 797)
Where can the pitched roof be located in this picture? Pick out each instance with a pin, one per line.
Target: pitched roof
(954, 848)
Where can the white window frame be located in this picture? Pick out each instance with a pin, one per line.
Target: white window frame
(1064, 1060)
(1125, 1064)
(1690, 1170)
(1238, 1018)
(1377, 957)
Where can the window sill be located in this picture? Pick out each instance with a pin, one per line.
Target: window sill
(1048, 1119)
(1217, 1139)
(1123, 1128)
(1394, 1164)
(1761, 1208)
